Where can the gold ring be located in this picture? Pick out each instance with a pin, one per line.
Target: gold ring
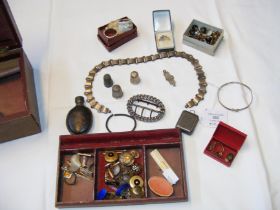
(110, 33)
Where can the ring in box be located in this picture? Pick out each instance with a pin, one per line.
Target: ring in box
(19, 115)
(116, 33)
(203, 37)
(225, 144)
(163, 30)
(114, 156)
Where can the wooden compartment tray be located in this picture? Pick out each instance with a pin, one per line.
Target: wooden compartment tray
(84, 192)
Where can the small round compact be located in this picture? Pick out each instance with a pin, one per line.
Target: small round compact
(160, 186)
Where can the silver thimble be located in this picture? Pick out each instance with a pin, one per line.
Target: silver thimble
(117, 91)
(108, 82)
(134, 78)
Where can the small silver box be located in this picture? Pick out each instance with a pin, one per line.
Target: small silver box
(200, 45)
(187, 122)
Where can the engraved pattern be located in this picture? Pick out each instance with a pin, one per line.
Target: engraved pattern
(131, 108)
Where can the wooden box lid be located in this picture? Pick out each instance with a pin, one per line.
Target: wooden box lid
(9, 34)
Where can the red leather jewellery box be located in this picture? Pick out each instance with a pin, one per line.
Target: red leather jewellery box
(85, 192)
(225, 144)
(113, 42)
(19, 115)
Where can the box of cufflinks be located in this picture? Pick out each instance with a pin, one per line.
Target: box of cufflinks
(123, 168)
(163, 30)
(18, 106)
(203, 37)
(116, 33)
(225, 144)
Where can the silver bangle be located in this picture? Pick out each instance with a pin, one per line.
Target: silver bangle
(235, 109)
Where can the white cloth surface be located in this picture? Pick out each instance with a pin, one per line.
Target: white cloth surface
(248, 54)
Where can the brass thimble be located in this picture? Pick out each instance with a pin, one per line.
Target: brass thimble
(117, 91)
(134, 78)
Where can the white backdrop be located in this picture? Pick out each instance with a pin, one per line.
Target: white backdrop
(60, 41)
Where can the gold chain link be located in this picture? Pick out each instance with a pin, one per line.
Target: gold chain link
(144, 59)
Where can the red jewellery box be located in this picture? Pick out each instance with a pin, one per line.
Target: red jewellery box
(114, 41)
(94, 151)
(225, 144)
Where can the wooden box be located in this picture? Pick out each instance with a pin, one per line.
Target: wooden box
(84, 192)
(19, 115)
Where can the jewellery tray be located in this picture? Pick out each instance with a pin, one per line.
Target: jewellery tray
(114, 42)
(83, 193)
(199, 45)
(163, 25)
(18, 106)
(231, 140)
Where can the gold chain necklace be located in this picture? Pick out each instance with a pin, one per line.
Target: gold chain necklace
(144, 59)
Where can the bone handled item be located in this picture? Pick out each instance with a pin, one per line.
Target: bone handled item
(167, 171)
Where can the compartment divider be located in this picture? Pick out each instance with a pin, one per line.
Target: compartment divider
(145, 171)
(94, 173)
